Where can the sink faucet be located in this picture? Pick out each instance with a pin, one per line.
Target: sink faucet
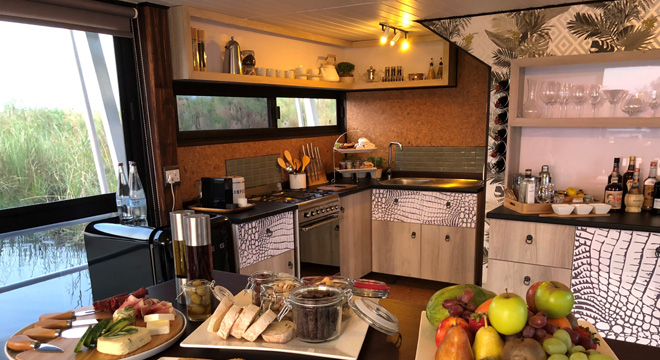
(388, 171)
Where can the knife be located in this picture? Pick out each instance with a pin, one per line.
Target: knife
(318, 159)
(22, 343)
(63, 324)
(43, 334)
(67, 315)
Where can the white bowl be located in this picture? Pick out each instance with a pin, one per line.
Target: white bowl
(583, 209)
(601, 208)
(562, 209)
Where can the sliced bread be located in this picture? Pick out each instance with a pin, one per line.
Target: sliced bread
(279, 332)
(253, 332)
(219, 314)
(228, 321)
(248, 315)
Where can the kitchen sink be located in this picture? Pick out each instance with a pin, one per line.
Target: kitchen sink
(433, 182)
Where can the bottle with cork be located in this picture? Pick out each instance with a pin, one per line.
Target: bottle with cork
(440, 69)
(431, 73)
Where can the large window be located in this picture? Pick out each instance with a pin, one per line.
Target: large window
(212, 113)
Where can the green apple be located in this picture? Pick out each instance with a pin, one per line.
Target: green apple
(507, 313)
(554, 298)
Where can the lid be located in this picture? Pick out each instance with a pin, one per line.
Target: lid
(316, 295)
(176, 223)
(231, 43)
(220, 292)
(332, 281)
(370, 288)
(376, 316)
(197, 230)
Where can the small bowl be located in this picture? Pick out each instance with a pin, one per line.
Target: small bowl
(562, 209)
(601, 208)
(583, 209)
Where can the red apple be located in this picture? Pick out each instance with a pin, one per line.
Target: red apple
(448, 323)
(554, 298)
(530, 296)
(475, 325)
(508, 313)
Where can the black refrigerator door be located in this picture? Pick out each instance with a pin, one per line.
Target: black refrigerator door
(222, 244)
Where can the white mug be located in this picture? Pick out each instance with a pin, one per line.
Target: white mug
(289, 74)
(242, 202)
(300, 70)
(313, 72)
(260, 71)
(280, 73)
(270, 72)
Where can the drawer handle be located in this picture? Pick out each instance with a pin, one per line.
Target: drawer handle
(290, 265)
(396, 201)
(529, 239)
(341, 209)
(337, 228)
(413, 235)
(448, 204)
(269, 232)
(527, 280)
(221, 246)
(447, 238)
(657, 252)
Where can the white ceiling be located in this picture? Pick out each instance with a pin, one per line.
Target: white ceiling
(356, 20)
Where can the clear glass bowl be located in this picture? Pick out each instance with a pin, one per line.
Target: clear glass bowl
(633, 104)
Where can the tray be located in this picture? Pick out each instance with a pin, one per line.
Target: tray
(347, 346)
(337, 187)
(355, 151)
(528, 208)
(157, 344)
(572, 215)
(426, 340)
(221, 211)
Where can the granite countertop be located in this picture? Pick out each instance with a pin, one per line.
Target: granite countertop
(261, 210)
(621, 221)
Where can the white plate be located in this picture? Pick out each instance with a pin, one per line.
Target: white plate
(346, 346)
(354, 151)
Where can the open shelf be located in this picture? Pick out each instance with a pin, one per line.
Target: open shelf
(622, 122)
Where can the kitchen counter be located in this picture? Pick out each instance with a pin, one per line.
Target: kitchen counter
(620, 221)
(261, 210)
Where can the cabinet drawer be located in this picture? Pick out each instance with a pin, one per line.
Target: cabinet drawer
(425, 207)
(516, 277)
(395, 248)
(264, 238)
(448, 254)
(532, 243)
(280, 263)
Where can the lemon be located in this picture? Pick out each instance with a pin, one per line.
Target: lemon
(571, 191)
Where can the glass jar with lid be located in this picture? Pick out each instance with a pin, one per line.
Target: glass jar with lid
(198, 298)
(255, 281)
(340, 282)
(274, 292)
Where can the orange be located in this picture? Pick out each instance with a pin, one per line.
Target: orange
(561, 322)
(483, 308)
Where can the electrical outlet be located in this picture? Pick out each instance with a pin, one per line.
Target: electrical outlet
(172, 171)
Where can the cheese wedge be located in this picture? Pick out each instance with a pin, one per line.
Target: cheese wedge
(248, 315)
(122, 345)
(158, 317)
(253, 332)
(228, 321)
(279, 332)
(159, 327)
(219, 314)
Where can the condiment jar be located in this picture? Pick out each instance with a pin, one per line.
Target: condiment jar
(370, 289)
(340, 282)
(255, 281)
(198, 299)
(274, 293)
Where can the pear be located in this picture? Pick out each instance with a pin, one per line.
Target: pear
(455, 345)
(488, 344)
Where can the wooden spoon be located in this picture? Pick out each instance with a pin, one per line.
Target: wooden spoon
(287, 156)
(296, 164)
(305, 162)
(281, 163)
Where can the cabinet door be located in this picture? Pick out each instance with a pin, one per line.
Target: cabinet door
(279, 263)
(448, 254)
(532, 243)
(516, 277)
(396, 248)
(264, 238)
(355, 235)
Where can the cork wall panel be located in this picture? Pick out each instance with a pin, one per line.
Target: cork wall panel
(424, 117)
(196, 162)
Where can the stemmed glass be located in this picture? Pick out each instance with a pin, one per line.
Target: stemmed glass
(633, 104)
(564, 96)
(654, 103)
(613, 96)
(578, 96)
(548, 94)
(594, 96)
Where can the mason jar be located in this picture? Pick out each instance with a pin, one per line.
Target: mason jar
(340, 282)
(274, 293)
(255, 281)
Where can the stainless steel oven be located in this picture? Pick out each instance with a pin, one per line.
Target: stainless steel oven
(318, 231)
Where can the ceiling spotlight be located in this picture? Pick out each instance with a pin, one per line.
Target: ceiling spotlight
(397, 36)
(386, 33)
(404, 44)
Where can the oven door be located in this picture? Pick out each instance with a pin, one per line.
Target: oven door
(319, 241)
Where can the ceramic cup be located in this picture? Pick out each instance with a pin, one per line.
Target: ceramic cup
(280, 73)
(300, 71)
(313, 72)
(260, 71)
(270, 72)
(290, 74)
(297, 181)
(242, 202)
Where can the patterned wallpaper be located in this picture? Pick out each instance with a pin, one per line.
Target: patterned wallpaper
(496, 39)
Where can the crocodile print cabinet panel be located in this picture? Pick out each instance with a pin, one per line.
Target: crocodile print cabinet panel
(425, 207)
(264, 238)
(616, 283)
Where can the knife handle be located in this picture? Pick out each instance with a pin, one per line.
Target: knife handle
(42, 334)
(58, 316)
(20, 343)
(53, 324)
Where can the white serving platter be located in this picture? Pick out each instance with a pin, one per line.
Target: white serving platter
(347, 346)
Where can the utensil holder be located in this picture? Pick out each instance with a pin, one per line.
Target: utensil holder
(297, 181)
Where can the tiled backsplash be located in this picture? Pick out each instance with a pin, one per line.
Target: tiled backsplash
(440, 159)
(257, 171)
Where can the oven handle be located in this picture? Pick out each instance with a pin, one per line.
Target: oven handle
(321, 223)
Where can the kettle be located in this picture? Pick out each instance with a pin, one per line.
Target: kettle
(329, 73)
(232, 63)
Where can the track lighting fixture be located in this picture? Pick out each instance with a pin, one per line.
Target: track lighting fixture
(386, 33)
(397, 35)
(405, 44)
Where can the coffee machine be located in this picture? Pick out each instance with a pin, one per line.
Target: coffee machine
(222, 193)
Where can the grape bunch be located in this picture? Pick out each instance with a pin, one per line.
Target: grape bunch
(538, 326)
(462, 306)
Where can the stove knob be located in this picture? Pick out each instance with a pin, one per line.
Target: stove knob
(329, 209)
(322, 210)
(306, 214)
(312, 213)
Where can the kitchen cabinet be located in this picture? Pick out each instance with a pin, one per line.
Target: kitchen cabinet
(396, 248)
(447, 254)
(266, 244)
(522, 253)
(355, 235)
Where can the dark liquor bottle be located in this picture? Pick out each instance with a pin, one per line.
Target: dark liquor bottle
(649, 183)
(502, 102)
(431, 73)
(634, 199)
(656, 199)
(440, 69)
(614, 193)
(628, 178)
(617, 166)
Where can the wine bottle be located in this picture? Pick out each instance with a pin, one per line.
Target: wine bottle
(498, 132)
(440, 69)
(497, 165)
(615, 169)
(502, 85)
(125, 214)
(627, 179)
(502, 102)
(649, 184)
(498, 148)
(634, 199)
(614, 192)
(137, 198)
(431, 73)
(501, 118)
(656, 199)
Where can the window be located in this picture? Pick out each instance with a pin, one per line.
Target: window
(217, 113)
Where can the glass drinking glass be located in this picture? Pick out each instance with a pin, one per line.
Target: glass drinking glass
(594, 96)
(532, 106)
(613, 97)
(578, 96)
(548, 94)
(654, 103)
(564, 95)
(633, 104)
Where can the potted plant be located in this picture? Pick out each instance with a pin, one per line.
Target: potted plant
(345, 71)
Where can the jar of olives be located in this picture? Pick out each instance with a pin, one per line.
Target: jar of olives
(198, 299)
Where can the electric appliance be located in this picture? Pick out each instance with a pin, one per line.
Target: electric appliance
(222, 193)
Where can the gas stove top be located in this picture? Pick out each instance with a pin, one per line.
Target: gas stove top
(292, 196)
(313, 205)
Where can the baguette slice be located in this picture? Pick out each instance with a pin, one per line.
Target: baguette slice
(219, 314)
(248, 315)
(253, 332)
(228, 321)
(279, 332)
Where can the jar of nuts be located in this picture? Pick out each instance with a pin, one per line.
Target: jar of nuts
(274, 293)
(198, 299)
(255, 281)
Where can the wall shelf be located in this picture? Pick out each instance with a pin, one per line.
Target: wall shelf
(627, 122)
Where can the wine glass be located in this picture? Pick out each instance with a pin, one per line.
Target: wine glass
(594, 96)
(564, 96)
(578, 96)
(548, 95)
(633, 104)
(613, 97)
(654, 103)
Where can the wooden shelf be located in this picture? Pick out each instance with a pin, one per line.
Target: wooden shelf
(627, 122)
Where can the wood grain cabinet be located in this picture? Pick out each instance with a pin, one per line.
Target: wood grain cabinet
(447, 254)
(355, 235)
(522, 253)
(396, 248)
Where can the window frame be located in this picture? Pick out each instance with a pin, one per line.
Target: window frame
(272, 132)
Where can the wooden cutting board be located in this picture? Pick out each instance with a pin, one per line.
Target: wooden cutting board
(157, 344)
(337, 187)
